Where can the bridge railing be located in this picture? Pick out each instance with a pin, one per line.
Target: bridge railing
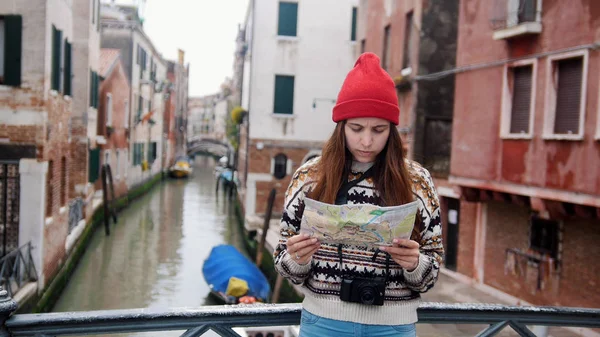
(222, 319)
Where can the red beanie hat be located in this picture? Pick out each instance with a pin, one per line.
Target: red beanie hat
(368, 91)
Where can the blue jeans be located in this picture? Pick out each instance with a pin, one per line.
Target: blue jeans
(317, 326)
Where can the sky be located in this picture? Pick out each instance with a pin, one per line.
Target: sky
(204, 29)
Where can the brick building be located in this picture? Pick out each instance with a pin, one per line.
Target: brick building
(113, 127)
(147, 73)
(526, 151)
(37, 57)
(296, 56)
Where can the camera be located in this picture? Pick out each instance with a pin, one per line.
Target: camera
(370, 291)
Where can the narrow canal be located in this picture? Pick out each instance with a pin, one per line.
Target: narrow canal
(154, 255)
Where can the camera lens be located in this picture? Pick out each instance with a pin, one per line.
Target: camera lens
(367, 295)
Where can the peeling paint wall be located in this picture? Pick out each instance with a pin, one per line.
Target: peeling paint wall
(478, 151)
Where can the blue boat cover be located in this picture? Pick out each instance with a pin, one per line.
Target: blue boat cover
(225, 261)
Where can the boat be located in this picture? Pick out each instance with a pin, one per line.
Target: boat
(182, 168)
(233, 278)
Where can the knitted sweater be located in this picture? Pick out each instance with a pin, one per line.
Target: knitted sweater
(320, 279)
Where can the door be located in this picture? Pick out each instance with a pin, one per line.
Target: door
(453, 218)
(9, 206)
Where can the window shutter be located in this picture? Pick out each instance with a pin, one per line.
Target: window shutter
(284, 95)
(13, 33)
(94, 165)
(68, 65)
(96, 90)
(568, 96)
(521, 99)
(288, 19)
(56, 42)
(353, 29)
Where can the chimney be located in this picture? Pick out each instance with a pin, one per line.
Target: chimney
(181, 56)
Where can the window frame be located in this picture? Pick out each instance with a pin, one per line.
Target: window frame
(386, 54)
(354, 23)
(551, 96)
(507, 96)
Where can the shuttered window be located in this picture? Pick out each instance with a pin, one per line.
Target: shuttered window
(68, 68)
(284, 95)
(407, 40)
(94, 89)
(288, 19)
(94, 165)
(521, 99)
(568, 95)
(353, 28)
(56, 57)
(11, 32)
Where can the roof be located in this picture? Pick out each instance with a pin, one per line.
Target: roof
(108, 59)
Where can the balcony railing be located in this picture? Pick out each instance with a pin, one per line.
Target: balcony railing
(222, 319)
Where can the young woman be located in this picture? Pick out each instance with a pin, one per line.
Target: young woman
(362, 163)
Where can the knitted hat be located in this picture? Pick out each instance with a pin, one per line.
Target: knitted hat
(368, 91)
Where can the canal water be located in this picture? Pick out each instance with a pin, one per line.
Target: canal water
(153, 257)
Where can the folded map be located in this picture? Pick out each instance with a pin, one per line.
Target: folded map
(362, 224)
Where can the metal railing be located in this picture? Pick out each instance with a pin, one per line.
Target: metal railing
(222, 319)
(17, 269)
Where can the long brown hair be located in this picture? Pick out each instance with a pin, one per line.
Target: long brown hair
(390, 174)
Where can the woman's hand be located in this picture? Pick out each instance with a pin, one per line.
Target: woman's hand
(301, 248)
(405, 252)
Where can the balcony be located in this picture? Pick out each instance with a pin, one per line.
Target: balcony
(512, 18)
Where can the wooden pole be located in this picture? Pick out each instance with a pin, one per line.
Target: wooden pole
(263, 238)
(277, 289)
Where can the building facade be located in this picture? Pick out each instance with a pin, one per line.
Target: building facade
(525, 149)
(147, 72)
(36, 115)
(297, 56)
(113, 111)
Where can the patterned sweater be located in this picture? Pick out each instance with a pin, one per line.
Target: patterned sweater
(320, 279)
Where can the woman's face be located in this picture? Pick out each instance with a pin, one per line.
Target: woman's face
(366, 137)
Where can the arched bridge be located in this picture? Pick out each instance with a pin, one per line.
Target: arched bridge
(209, 145)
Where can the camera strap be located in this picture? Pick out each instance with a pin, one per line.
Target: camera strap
(377, 251)
(342, 195)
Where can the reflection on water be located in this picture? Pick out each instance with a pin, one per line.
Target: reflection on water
(153, 257)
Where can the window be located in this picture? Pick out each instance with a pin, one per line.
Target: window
(11, 30)
(118, 165)
(109, 109)
(126, 114)
(284, 95)
(94, 89)
(142, 59)
(49, 188)
(407, 40)
(94, 11)
(63, 181)
(56, 58)
(363, 45)
(288, 19)
(152, 152)
(518, 99)
(387, 57)
(353, 27)
(140, 108)
(544, 236)
(106, 157)
(566, 96)
(279, 166)
(510, 18)
(93, 165)
(67, 69)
